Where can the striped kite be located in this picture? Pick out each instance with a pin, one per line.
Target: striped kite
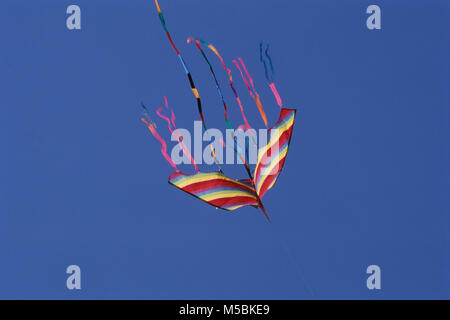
(215, 188)
(218, 190)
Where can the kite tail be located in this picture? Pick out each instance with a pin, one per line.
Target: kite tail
(172, 117)
(151, 127)
(191, 82)
(230, 78)
(172, 114)
(276, 94)
(256, 99)
(169, 124)
(172, 124)
(269, 77)
(188, 74)
(197, 43)
(174, 131)
(253, 86)
(263, 61)
(270, 60)
(219, 91)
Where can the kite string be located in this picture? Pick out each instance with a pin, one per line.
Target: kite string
(291, 257)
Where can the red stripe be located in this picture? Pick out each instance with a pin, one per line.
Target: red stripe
(175, 175)
(272, 176)
(284, 113)
(214, 184)
(228, 202)
(248, 182)
(173, 45)
(285, 136)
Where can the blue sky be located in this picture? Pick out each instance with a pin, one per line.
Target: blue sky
(365, 181)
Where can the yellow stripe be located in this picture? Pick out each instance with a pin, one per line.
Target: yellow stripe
(157, 6)
(187, 180)
(273, 182)
(274, 161)
(272, 141)
(266, 171)
(275, 138)
(212, 151)
(214, 50)
(237, 207)
(225, 194)
(233, 208)
(196, 93)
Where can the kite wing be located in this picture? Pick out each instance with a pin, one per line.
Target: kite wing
(216, 189)
(271, 157)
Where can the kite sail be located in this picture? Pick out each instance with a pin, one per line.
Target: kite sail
(216, 189)
(271, 157)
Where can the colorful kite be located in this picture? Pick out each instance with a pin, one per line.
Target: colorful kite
(215, 188)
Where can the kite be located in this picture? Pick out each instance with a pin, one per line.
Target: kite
(220, 191)
(215, 188)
